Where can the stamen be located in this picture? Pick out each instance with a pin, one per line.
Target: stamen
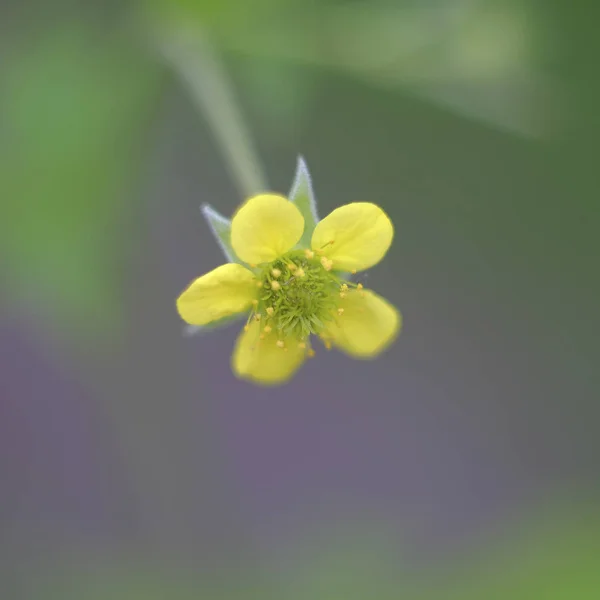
(327, 263)
(255, 302)
(257, 316)
(261, 336)
(359, 286)
(280, 344)
(299, 294)
(259, 284)
(247, 325)
(340, 311)
(302, 345)
(310, 353)
(353, 271)
(267, 329)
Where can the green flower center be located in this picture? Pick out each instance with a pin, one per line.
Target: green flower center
(300, 293)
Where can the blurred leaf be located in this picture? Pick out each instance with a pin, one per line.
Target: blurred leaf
(340, 559)
(281, 95)
(75, 104)
(89, 576)
(555, 556)
(302, 195)
(214, 14)
(552, 555)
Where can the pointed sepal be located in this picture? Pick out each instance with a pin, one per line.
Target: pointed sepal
(303, 197)
(221, 228)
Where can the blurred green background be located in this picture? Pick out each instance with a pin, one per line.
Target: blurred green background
(462, 464)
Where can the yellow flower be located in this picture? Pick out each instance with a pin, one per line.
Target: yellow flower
(264, 233)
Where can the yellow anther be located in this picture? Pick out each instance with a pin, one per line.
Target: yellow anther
(302, 345)
(319, 251)
(270, 311)
(340, 311)
(259, 284)
(310, 353)
(359, 286)
(253, 265)
(267, 329)
(327, 344)
(261, 336)
(309, 253)
(246, 327)
(257, 316)
(292, 267)
(280, 344)
(344, 287)
(299, 272)
(342, 295)
(275, 285)
(327, 263)
(276, 273)
(353, 271)
(255, 302)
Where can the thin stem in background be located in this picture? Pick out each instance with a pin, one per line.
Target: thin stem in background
(196, 62)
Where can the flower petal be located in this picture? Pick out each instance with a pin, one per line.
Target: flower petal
(367, 326)
(354, 236)
(265, 227)
(263, 361)
(226, 290)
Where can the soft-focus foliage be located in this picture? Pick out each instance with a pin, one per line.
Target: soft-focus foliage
(76, 104)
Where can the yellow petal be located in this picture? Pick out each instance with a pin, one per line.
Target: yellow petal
(225, 291)
(367, 325)
(265, 227)
(263, 361)
(354, 236)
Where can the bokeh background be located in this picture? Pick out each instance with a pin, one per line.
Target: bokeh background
(463, 464)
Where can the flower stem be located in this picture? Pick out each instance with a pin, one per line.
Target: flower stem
(197, 63)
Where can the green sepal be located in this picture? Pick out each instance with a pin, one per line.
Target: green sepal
(221, 228)
(303, 197)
